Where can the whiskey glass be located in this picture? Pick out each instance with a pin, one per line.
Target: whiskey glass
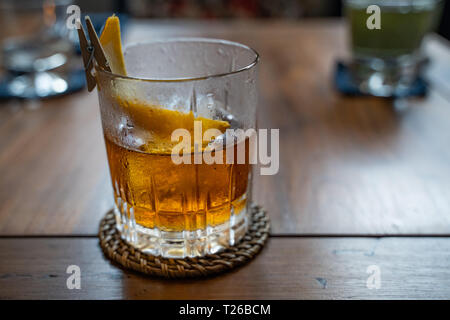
(161, 207)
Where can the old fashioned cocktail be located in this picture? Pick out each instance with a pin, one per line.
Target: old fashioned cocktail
(162, 206)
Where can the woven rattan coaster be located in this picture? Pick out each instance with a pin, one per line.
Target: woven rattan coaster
(128, 257)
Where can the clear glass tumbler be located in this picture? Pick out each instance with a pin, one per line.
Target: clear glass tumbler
(164, 208)
(35, 48)
(387, 61)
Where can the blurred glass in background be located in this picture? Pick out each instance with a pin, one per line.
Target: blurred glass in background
(387, 61)
(35, 49)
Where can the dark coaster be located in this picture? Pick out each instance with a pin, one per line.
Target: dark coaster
(75, 81)
(345, 84)
(128, 257)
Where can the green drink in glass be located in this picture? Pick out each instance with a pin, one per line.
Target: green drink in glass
(387, 61)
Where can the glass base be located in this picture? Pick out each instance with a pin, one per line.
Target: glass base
(185, 243)
(386, 77)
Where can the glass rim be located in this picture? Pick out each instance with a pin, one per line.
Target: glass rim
(249, 66)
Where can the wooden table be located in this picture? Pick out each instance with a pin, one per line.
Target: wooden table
(362, 181)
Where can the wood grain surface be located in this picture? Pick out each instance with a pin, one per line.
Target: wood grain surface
(348, 166)
(288, 268)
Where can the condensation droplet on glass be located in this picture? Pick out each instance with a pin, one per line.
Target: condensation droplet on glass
(232, 66)
(210, 100)
(225, 96)
(193, 102)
